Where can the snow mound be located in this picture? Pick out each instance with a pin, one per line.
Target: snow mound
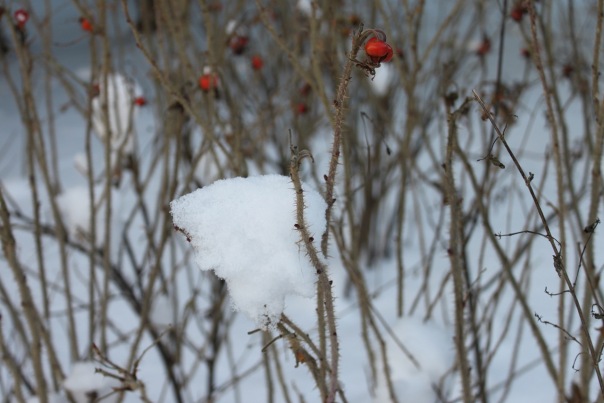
(432, 347)
(243, 229)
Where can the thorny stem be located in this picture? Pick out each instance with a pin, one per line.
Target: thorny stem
(558, 265)
(105, 110)
(31, 121)
(455, 255)
(507, 264)
(340, 106)
(27, 301)
(324, 283)
(557, 136)
(325, 296)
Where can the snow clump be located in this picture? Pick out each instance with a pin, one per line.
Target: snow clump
(244, 230)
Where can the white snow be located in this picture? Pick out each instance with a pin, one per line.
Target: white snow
(84, 382)
(306, 8)
(383, 77)
(121, 111)
(243, 229)
(432, 348)
(51, 398)
(230, 27)
(81, 164)
(161, 313)
(74, 204)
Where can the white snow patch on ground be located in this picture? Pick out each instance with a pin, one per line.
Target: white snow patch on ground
(432, 348)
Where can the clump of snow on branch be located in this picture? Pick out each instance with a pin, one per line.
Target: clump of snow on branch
(243, 229)
(121, 110)
(85, 383)
(432, 349)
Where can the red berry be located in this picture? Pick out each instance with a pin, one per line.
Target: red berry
(567, 70)
(257, 62)
(518, 11)
(95, 90)
(484, 47)
(305, 89)
(85, 24)
(208, 81)
(301, 108)
(215, 7)
(21, 17)
(140, 101)
(525, 53)
(238, 43)
(378, 51)
(516, 15)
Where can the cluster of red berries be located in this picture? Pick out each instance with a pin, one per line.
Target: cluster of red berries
(21, 17)
(238, 44)
(301, 107)
(376, 48)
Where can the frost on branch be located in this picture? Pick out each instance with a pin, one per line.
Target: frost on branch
(244, 230)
